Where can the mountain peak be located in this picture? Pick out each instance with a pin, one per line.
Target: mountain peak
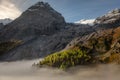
(40, 5)
(39, 19)
(114, 11)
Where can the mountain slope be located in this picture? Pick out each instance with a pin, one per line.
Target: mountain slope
(101, 43)
(43, 31)
(98, 47)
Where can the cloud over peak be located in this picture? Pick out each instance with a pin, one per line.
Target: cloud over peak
(8, 9)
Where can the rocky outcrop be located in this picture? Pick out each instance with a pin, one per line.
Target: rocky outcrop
(109, 20)
(101, 44)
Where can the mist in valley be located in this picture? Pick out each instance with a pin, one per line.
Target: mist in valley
(23, 70)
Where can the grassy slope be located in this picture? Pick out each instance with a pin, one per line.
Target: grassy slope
(66, 59)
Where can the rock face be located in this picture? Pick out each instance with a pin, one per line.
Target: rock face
(1, 26)
(111, 19)
(43, 45)
(102, 42)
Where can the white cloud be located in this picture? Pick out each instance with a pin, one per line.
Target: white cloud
(88, 21)
(8, 9)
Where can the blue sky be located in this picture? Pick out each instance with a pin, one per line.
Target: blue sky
(74, 10)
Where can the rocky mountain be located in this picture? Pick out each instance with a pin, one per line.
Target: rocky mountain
(100, 40)
(39, 19)
(5, 21)
(111, 19)
(40, 31)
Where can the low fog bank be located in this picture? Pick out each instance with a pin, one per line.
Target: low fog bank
(23, 70)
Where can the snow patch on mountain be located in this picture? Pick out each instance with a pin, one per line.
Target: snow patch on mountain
(84, 21)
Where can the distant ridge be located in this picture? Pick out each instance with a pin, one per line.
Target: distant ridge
(5, 21)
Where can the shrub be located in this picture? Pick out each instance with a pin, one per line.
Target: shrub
(7, 46)
(113, 58)
(66, 59)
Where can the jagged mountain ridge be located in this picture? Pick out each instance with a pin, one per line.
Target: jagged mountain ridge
(109, 20)
(40, 31)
